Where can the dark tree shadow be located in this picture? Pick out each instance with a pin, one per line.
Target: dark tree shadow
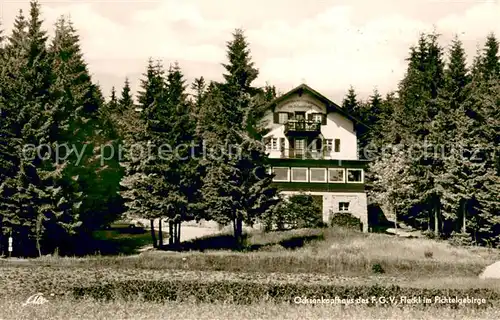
(377, 220)
(228, 242)
(119, 240)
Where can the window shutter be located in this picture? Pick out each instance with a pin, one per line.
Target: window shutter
(276, 117)
(323, 119)
(310, 116)
(337, 145)
(318, 144)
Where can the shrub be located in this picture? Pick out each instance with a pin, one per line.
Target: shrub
(429, 234)
(460, 239)
(377, 268)
(346, 220)
(428, 254)
(296, 212)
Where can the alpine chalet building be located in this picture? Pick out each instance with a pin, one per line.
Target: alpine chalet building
(313, 149)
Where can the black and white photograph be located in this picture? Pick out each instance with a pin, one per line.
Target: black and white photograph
(232, 159)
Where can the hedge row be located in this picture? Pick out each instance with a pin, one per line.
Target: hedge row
(241, 292)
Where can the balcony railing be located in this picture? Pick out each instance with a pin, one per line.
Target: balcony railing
(305, 154)
(302, 126)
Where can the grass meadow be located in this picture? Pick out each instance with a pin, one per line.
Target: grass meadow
(206, 279)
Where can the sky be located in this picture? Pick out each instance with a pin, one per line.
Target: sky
(327, 44)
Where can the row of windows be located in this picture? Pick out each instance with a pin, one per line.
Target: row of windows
(330, 144)
(332, 175)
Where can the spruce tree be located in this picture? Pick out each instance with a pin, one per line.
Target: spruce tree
(17, 40)
(490, 65)
(237, 188)
(240, 69)
(480, 163)
(13, 88)
(447, 135)
(113, 101)
(181, 175)
(411, 124)
(199, 87)
(31, 190)
(78, 122)
(143, 184)
(151, 86)
(125, 102)
(350, 102)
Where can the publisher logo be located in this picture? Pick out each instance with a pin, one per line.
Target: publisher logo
(36, 299)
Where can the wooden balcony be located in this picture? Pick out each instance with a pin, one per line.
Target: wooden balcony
(302, 127)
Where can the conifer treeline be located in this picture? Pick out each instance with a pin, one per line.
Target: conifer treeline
(439, 134)
(214, 168)
(52, 187)
(53, 201)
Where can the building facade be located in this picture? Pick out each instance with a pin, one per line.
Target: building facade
(313, 149)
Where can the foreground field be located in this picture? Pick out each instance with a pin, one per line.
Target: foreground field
(263, 281)
(329, 251)
(91, 309)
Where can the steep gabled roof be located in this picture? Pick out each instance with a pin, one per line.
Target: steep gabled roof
(331, 106)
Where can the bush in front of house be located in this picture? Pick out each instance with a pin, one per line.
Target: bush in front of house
(346, 220)
(298, 211)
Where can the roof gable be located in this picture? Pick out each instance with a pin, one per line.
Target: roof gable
(330, 105)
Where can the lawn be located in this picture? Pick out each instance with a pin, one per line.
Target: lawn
(263, 280)
(315, 251)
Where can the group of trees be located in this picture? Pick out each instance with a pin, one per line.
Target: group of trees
(176, 178)
(52, 188)
(438, 140)
(69, 160)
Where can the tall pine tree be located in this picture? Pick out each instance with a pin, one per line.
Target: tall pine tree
(236, 186)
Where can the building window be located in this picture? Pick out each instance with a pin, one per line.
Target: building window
(299, 146)
(299, 175)
(343, 206)
(355, 175)
(274, 143)
(317, 117)
(317, 174)
(281, 174)
(329, 145)
(336, 175)
(337, 145)
(282, 117)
